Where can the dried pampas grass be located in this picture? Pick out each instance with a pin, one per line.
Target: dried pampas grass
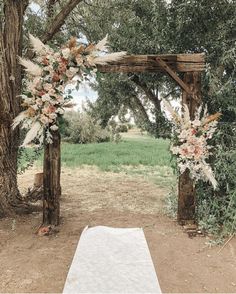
(171, 110)
(37, 45)
(186, 116)
(102, 60)
(17, 120)
(35, 130)
(30, 67)
(209, 174)
(102, 45)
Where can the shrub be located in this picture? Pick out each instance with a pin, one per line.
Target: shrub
(83, 129)
(114, 132)
(122, 128)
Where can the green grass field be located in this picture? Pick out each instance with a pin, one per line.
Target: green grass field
(108, 156)
(134, 155)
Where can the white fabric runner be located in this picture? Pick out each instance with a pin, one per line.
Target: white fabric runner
(111, 260)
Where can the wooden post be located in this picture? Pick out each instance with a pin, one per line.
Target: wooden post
(51, 181)
(186, 193)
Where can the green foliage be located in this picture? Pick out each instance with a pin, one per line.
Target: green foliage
(137, 27)
(27, 157)
(122, 128)
(114, 132)
(171, 203)
(81, 128)
(209, 26)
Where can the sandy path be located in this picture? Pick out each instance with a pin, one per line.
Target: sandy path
(40, 264)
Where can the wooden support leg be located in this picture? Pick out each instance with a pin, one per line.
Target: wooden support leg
(51, 181)
(186, 190)
(186, 199)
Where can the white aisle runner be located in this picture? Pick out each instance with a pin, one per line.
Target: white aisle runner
(114, 261)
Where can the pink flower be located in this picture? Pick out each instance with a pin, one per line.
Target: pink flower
(193, 131)
(47, 86)
(39, 101)
(51, 92)
(198, 152)
(49, 109)
(44, 119)
(56, 77)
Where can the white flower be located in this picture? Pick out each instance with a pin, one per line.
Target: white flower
(57, 55)
(35, 107)
(61, 88)
(44, 119)
(54, 127)
(73, 70)
(60, 111)
(196, 123)
(46, 97)
(65, 53)
(52, 116)
(47, 86)
(69, 74)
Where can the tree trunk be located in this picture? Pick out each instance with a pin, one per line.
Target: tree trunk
(51, 181)
(10, 87)
(187, 194)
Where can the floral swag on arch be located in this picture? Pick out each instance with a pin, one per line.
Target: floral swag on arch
(190, 142)
(45, 97)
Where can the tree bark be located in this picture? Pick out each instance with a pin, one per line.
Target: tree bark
(10, 87)
(187, 193)
(161, 128)
(51, 181)
(11, 24)
(139, 111)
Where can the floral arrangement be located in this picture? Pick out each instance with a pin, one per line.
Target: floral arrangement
(191, 142)
(45, 98)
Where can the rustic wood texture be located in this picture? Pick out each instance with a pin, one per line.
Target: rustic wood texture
(11, 24)
(38, 180)
(51, 181)
(187, 193)
(175, 77)
(147, 63)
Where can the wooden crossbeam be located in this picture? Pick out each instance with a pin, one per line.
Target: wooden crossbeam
(178, 80)
(164, 65)
(147, 63)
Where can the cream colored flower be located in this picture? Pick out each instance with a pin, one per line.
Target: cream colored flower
(79, 59)
(54, 127)
(46, 97)
(65, 53)
(47, 86)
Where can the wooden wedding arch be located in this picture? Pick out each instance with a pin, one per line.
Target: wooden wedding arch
(191, 66)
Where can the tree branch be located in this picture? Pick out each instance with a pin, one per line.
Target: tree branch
(139, 110)
(59, 20)
(55, 25)
(50, 10)
(147, 92)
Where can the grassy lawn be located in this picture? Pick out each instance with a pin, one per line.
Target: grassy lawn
(109, 156)
(138, 155)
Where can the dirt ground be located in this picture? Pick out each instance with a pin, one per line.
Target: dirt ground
(29, 263)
